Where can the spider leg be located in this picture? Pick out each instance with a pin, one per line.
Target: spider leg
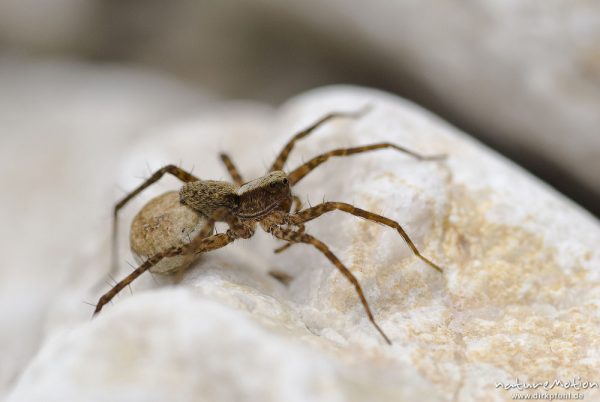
(282, 277)
(198, 245)
(288, 245)
(176, 171)
(297, 207)
(232, 169)
(285, 152)
(296, 237)
(297, 174)
(318, 210)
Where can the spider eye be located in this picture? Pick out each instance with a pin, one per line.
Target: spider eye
(273, 184)
(285, 181)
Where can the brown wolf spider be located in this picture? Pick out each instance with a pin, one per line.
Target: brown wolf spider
(266, 201)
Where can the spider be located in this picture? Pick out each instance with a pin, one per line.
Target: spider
(266, 201)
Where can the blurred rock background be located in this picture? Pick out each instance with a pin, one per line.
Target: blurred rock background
(523, 76)
(80, 79)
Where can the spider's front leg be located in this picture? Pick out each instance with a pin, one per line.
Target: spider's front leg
(200, 244)
(298, 174)
(284, 277)
(297, 237)
(285, 152)
(318, 210)
(297, 207)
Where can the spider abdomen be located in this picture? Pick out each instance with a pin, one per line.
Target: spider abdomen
(163, 223)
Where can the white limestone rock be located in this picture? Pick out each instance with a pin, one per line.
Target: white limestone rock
(519, 296)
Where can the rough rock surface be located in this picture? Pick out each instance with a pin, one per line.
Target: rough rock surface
(519, 296)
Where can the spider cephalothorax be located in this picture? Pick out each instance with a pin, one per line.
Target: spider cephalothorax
(264, 195)
(265, 201)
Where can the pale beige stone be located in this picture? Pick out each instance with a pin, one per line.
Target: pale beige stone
(518, 297)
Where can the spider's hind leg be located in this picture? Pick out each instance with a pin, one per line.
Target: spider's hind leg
(198, 245)
(176, 171)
